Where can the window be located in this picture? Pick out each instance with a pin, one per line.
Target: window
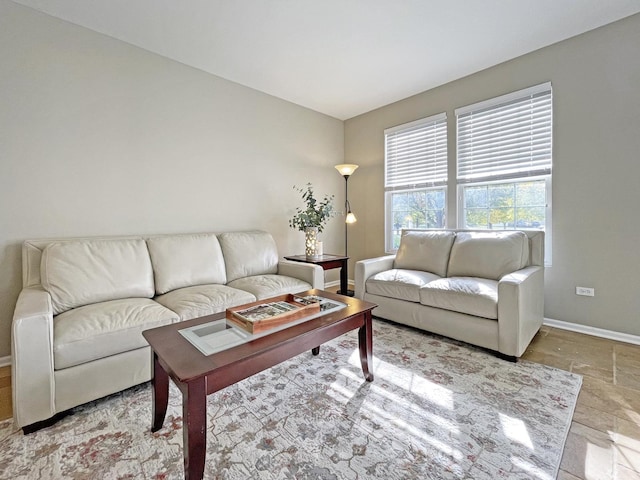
(504, 157)
(415, 177)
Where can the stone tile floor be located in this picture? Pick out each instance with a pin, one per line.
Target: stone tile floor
(5, 393)
(604, 440)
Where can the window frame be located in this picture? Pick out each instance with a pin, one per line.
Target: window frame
(509, 178)
(440, 182)
(540, 162)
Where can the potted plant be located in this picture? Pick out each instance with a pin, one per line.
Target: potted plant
(312, 218)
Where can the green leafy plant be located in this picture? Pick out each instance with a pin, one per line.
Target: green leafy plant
(315, 213)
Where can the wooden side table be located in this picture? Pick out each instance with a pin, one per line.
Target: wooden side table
(328, 262)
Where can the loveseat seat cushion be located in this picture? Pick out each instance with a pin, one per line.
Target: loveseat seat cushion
(425, 250)
(248, 253)
(473, 296)
(488, 254)
(77, 273)
(186, 260)
(399, 283)
(266, 286)
(102, 329)
(201, 300)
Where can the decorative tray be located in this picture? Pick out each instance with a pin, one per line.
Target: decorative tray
(265, 314)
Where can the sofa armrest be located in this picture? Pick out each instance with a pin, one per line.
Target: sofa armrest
(520, 309)
(307, 272)
(369, 267)
(32, 358)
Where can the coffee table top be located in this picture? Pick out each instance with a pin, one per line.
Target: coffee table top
(182, 360)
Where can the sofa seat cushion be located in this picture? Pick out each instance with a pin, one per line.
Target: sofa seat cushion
(103, 329)
(473, 296)
(399, 283)
(266, 286)
(201, 300)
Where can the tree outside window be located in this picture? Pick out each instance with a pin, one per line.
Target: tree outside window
(417, 209)
(505, 205)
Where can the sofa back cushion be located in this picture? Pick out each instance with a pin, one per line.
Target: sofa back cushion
(427, 251)
(77, 273)
(248, 253)
(186, 260)
(488, 254)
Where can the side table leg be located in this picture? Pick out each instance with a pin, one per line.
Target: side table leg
(315, 351)
(344, 280)
(194, 428)
(160, 383)
(365, 342)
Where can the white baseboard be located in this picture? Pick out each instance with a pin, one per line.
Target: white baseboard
(5, 361)
(336, 283)
(596, 332)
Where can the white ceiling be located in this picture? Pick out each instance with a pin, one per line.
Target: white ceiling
(340, 57)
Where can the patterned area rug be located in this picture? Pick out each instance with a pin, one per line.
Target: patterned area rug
(437, 409)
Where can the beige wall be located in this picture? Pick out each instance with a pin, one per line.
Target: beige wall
(596, 170)
(101, 138)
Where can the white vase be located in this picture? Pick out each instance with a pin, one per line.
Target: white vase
(310, 240)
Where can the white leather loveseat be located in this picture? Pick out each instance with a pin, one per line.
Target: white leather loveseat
(78, 320)
(482, 287)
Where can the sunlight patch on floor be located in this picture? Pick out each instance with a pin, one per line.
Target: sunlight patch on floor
(385, 372)
(597, 462)
(408, 381)
(530, 468)
(428, 416)
(516, 431)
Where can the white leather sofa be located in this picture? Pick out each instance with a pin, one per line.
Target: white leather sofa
(78, 320)
(482, 287)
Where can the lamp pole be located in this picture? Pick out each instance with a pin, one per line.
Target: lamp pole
(346, 170)
(346, 210)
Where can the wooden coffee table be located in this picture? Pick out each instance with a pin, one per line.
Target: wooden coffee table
(198, 375)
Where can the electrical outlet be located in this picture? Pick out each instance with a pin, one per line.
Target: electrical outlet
(586, 291)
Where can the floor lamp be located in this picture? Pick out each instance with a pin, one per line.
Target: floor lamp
(346, 170)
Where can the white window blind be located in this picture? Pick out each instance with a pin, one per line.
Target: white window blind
(416, 154)
(506, 137)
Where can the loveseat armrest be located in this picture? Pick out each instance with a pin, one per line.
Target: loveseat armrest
(32, 358)
(307, 272)
(520, 309)
(367, 268)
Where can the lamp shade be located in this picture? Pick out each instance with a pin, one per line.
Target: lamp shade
(351, 218)
(346, 169)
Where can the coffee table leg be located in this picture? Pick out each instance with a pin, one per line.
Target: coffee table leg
(194, 427)
(365, 342)
(160, 384)
(315, 351)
